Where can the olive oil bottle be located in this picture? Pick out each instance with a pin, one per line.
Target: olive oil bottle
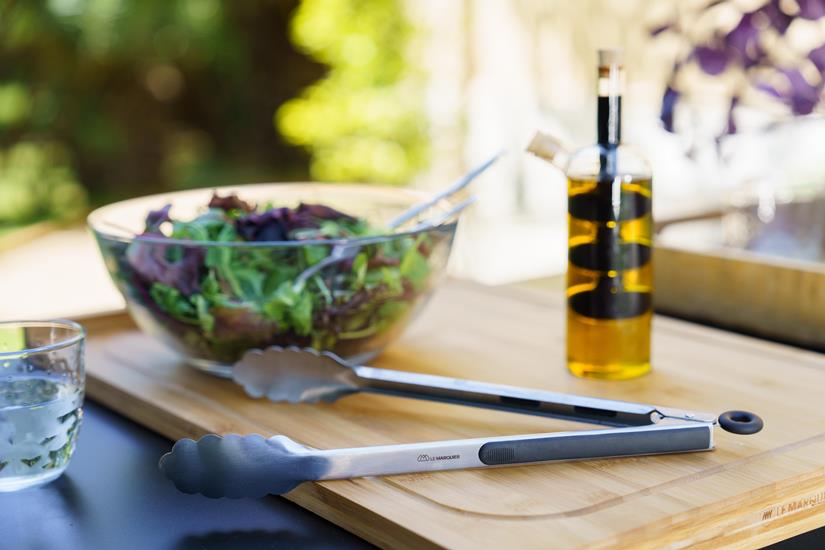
(610, 232)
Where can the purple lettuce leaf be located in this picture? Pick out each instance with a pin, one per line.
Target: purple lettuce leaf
(230, 202)
(244, 321)
(276, 224)
(323, 212)
(156, 218)
(271, 225)
(151, 264)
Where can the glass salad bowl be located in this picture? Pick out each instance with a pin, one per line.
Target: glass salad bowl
(214, 273)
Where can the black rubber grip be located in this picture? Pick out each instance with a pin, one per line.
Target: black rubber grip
(594, 445)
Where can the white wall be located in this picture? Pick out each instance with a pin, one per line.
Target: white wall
(499, 69)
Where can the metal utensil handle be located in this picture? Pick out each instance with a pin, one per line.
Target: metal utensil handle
(513, 450)
(448, 215)
(460, 184)
(505, 398)
(341, 252)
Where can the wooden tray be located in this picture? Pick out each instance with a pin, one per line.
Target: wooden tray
(772, 289)
(749, 492)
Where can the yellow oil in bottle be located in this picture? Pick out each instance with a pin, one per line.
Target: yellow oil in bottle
(610, 231)
(609, 276)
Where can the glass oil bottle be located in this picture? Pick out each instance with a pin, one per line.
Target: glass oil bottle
(610, 231)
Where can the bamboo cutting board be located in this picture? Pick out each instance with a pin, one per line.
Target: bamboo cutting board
(750, 491)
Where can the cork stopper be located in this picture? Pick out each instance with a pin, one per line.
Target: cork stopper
(548, 148)
(611, 57)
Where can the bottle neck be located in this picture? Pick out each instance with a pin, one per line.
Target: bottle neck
(609, 123)
(609, 130)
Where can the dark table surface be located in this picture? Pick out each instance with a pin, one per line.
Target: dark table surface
(112, 496)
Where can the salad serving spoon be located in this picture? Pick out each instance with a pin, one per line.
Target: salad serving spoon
(347, 251)
(344, 251)
(447, 192)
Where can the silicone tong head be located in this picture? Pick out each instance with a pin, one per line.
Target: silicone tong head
(294, 375)
(741, 422)
(236, 466)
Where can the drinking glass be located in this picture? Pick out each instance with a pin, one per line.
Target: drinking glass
(42, 383)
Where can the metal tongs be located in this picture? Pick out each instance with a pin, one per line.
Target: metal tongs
(242, 466)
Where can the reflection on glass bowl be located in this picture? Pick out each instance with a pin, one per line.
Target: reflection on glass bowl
(214, 300)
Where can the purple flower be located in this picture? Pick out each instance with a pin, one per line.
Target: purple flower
(778, 19)
(668, 105)
(804, 96)
(817, 56)
(656, 31)
(742, 49)
(811, 9)
(713, 61)
(744, 40)
(799, 94)
(731, 128)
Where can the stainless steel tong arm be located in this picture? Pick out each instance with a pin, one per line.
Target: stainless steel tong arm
(512, 450)
(521, 400)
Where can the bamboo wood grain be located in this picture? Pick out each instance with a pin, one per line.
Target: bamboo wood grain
(749, 492)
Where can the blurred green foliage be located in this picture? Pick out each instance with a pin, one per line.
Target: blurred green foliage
(105, 99)
(364, 121)
(36, 184)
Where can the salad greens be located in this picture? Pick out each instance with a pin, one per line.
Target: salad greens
(219, 301)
